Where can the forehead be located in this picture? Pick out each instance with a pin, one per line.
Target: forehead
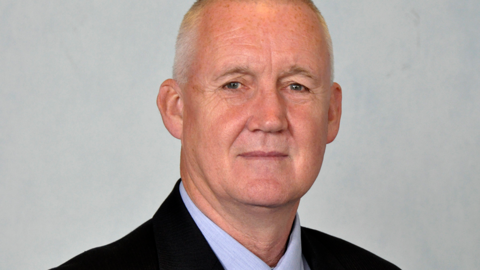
(257, 9)
(277, 26)
(225, 16)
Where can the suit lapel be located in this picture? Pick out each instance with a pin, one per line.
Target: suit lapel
(317, 256)
(180, 244)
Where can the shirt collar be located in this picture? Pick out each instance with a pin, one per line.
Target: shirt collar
(232, 254)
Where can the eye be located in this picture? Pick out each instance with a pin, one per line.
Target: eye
(232, 85)
(297, 87)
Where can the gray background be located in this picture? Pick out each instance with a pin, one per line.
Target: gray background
(84, 156)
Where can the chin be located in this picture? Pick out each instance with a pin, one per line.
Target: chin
(268, 193)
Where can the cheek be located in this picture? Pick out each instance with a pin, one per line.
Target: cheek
(225, 133)
(309, 133)
(213, 127)
(309, 125)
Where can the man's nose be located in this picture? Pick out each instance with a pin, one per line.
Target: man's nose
(268, 112)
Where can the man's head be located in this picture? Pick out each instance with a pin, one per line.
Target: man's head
(254, 106)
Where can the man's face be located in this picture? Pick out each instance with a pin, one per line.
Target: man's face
(256, 105)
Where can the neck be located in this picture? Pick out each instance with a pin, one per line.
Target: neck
(261, 229)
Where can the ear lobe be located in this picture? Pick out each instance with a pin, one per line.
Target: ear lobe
(170, 104)
(334, 112)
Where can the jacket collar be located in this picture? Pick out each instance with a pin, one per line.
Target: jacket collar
(181, 245)
(179, 242)
(315, 252)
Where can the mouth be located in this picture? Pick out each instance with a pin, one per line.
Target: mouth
(263, 155)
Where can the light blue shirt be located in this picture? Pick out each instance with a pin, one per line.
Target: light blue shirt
(233, 255)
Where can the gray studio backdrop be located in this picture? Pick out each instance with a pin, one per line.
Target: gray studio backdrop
(85, 159)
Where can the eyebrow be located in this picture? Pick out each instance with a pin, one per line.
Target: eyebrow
(234, 70)
(245, 70)
(297, 70)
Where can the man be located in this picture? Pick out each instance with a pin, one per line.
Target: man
(254, 105)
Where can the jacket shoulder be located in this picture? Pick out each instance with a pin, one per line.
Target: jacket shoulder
(136, 250)
(339, 252)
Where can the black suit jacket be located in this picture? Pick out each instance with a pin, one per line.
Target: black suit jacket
(172, 240)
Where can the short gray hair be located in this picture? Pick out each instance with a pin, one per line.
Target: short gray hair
(188, 33)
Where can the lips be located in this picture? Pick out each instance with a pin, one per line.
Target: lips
(263, 154)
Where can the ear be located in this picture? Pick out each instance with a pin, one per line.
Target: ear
(334, 112)
(170, 104)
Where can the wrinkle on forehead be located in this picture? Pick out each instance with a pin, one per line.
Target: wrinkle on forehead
(226, 18)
